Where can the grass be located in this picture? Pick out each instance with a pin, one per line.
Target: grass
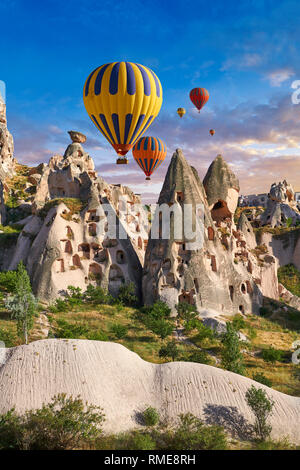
(75, 206)
(9, 236)
(289, 276)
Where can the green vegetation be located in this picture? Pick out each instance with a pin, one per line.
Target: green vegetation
(261, 378)
(150, 416)
(22, 303)
(272, 355)
(232, 359)
(170, 350)
(75, 206)
(9, 235)
(261, 406)
(64, 423)
(289, 276)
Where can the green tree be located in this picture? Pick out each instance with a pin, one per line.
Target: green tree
(119, 330)
(126, 294)
(186, 312)
(261, 406)
(22, 304)
(170, 350)
(232, 358)
(64, 423)
(160, 327)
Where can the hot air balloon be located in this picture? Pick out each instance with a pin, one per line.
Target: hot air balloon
(149, 152)
(212, 132)
(181, 112)
(122, 99)
(199, 96)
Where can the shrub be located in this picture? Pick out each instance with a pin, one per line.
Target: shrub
(289, 276)
(97, 295)
(75, 295)
(135, 440)
(64, 423)
(8, 338)
(8, 280)
(98, 336)
(238, 322)
(272, 355)
(186, 312)
(70, 330)
(261, 406)
(150, 416)
(170, 350)
(159, 310)
(261, 378)
(159, 327)
(199, 356)
(126, 295)
(193, 434)
(264, 311)
(204, 332)
(59, 305)
(232, 358)
(119, 330)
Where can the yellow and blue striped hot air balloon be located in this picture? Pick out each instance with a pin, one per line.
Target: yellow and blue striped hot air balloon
(149, 153)
(122, 99)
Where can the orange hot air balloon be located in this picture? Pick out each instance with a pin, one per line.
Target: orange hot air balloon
(149, 153)
(181, 112)
(212, 132)
(199, 96)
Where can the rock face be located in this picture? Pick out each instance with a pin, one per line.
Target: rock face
(109, 375)
(6, 156)
(217, 274)
(222, 189)
(281, 206)
(6, 144)
(66, 241)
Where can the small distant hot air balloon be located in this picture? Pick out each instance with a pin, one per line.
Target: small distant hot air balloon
(122, 99)
(199, 96)
(181, 112)
(212, 132)
(149, 152)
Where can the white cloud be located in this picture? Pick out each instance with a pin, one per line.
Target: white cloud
(277, 77)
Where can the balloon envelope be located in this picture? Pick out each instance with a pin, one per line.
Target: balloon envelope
(122, 99)
(212, 131)
(149, 153)
(199, 96)
(181, 112)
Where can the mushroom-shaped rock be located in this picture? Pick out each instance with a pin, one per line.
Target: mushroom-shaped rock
(77, 137)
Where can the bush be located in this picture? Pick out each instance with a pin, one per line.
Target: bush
(199, 356)
(232, 358)
(59, 305)
(127, 295)
(119, 330)
(264, 311)
(272, 355)
(70, 330)
(204, 332)
(262, 407)
(150, 416)
(97, 295)
(64, 423)
(238, 322)
(170, 350)
(75, 296)
(8, 280)
(159, 326)
(186, 312)
(159, 310)
(135, 440)
(98, 336)
(193, 434)
(261, 378)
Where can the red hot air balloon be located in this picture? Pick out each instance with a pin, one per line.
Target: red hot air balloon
(212, 132)
(199, 96)
(149, 153)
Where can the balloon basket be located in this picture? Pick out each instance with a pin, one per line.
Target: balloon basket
(148, 178)
(122, 161)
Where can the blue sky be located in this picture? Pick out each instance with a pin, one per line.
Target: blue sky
(245, 53)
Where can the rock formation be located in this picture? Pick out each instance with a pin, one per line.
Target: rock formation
(6, 155)
(62, 242)
(281, 206)
(217, 275)
(109, 375)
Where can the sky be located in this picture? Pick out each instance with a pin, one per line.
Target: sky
(246, 54)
